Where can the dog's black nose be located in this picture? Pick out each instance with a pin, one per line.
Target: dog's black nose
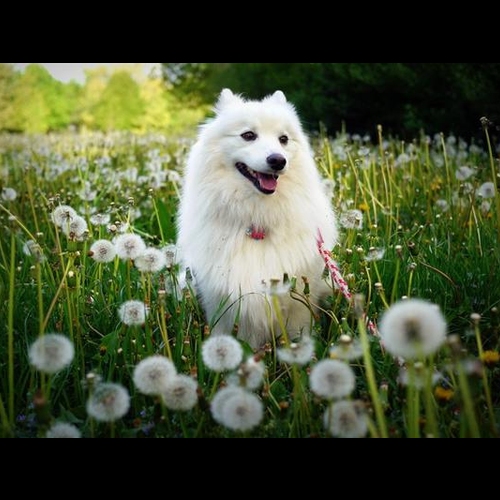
(277, 162)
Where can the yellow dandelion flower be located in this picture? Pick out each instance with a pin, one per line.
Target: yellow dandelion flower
(445, 395)
(491, 358)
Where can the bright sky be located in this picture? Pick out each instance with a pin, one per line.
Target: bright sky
(76, 71)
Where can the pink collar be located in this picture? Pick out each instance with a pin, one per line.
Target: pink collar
(256, 233)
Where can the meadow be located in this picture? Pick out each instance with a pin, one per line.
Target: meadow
(102, 334)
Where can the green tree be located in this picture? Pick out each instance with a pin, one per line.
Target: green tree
(120, 106)
(7, 81)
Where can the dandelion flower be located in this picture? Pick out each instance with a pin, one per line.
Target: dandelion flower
(51, 354)
(465, 173)
(413, 328)
(9, 194)
(33, 249)
(181, 394)
(129, 246)
(76, 228)
(151, 261)
(418, 377)
(63, 431)
(250, 375)
(171, 252)
(153, 374)
(347, 350)
(103, 251)
(133, 313)
(332, 379)
(375, 255)
(347, 420)
(63, 215)
(443, 205)
(352, 219)
(242, 412)
(222, 353)
(100, 220)
(487, 191)
(300, 354)
(221, 398)
(108, 403)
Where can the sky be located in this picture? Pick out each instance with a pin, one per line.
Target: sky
(66, 72)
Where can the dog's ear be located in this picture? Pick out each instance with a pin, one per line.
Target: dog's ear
(227, 98)
(279, 97)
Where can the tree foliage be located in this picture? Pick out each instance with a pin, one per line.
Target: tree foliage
(401, 96)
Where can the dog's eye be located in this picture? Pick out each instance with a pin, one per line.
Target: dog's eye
(284, 139)
(249, 136)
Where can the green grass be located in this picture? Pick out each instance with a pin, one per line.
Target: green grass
(441, 244)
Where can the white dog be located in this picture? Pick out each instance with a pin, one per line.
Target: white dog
(252, 207)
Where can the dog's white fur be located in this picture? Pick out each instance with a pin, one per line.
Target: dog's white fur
(219, 205)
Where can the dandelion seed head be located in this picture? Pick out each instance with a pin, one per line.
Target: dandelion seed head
(375, 255)
(242, 412)
(352, 219)
(129, 246)
(413, 328)
(100, 219)
(298, 354)
(181, 394)
(347, 350)
(63, 215)
(108, 403)
(151, 261)
(152, 375)
(34, 250)
(221, 398)
(346, 420)
(222, 353)
(51, 354)
(487, 191)
(133, 313)
(63, 431)
(103, 251)
(76, 228)
(419, 377)
(331, 379)
(9, 194)
(171, 254)
(465, 173)
(250, 375)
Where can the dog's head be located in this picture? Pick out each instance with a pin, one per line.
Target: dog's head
(256, 140)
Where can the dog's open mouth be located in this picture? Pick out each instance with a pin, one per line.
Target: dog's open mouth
(265, 183)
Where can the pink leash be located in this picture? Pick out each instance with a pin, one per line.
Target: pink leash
(338, 279)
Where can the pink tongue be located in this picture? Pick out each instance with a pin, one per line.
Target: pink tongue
(267, 182)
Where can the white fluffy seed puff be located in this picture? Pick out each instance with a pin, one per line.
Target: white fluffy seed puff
(412, 329)
(250, 375)
(181, 394)
(242, 412)
(129, 246)
(76, 228)
(133, 313)
(332, 379)
(151, 261)
(346, 420)
(51, 354)
(63, 431)
(152, 375)
(222, 354)
(63, 215)
(103, 252)
(108, 403)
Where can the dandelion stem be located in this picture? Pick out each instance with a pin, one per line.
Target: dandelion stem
(372, 382)
(10, 340)
(468, 402)
(486, 382)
